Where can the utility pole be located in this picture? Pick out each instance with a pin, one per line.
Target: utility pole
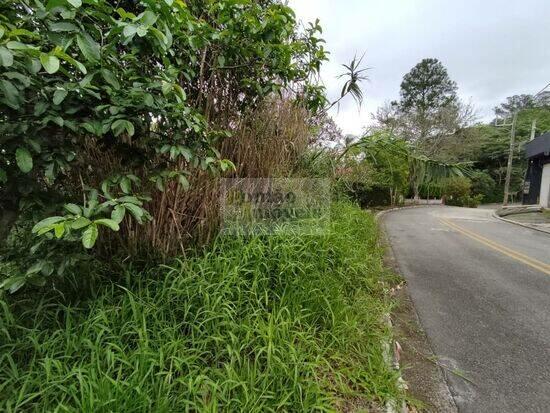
(533, 129)
(512, 144)
(510, 160)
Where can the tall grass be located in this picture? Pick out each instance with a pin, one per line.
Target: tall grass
(273, 323)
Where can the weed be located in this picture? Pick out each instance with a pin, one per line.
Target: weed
(272, 323)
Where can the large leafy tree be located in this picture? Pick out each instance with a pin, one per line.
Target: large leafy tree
(109, 109)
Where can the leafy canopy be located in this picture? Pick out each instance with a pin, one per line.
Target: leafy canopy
(427, 88)
(104, 105)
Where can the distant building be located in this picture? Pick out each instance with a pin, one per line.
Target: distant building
(536, 190)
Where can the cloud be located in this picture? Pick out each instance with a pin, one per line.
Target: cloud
(492, 49)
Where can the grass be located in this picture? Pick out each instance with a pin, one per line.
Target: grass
(274, 323)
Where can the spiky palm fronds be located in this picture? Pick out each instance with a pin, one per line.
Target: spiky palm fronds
(355, 75)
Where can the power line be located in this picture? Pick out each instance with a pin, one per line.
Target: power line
(543, 89)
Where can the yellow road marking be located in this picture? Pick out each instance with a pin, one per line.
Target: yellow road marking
(541, 266)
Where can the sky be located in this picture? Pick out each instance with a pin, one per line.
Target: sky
(491, 48)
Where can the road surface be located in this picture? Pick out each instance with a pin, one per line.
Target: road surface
(481, 288)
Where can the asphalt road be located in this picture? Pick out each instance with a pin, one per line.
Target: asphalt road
(481, 288)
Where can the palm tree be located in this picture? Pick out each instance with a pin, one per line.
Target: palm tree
(422, 170)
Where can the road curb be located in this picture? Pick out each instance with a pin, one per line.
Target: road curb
(380, 214)
(390, 348)
(521, 224)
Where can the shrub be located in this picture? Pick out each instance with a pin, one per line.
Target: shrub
(457, 187)
(466, 201)
(368, 196)
(112, 111)
(457, 192)
(482, 184)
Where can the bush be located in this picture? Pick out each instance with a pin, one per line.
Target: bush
(368, 196)
(457, 192)
(466, 201)
(457, 187)
(111, 111)
(275, 323)
(482, 184)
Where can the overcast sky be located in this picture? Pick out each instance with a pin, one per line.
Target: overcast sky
(491, 48)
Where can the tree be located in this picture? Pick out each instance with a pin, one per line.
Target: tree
(392, 154)
(427, 89)
(110, 110)
(515, 104)
(429, 112)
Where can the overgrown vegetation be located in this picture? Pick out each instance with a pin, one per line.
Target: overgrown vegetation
(275, 323)
(119, 293)
(113, 111)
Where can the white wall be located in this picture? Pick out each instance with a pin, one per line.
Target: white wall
(545, 187)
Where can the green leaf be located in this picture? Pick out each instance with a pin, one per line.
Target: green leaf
(141, 31)
(24, 80)
(46, 223)
(226, 164)
(180, 92)
(13, 283)
(73, 209)
(129, 30)
(11, 93)
(136, 211)
(75, 3)
(186, 153)
(88, 46)
(34, 66)
(80, 223)
(122, 125)
(6, 57)
(87, 80)
(59, 96)
(89, 236)
(24, 159)
(148, 18)
(63, 27)
(23, 33)
(110, 78)
(59, 230)
(3, 176)
(126, 185)
(35, 268)
(110, 223)
(40, 108)
(118, 213)
(13, 45)
(49, 63)
(49, 173)
(166, 88)
(59, 53)
(131, 200)
(184, 182)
